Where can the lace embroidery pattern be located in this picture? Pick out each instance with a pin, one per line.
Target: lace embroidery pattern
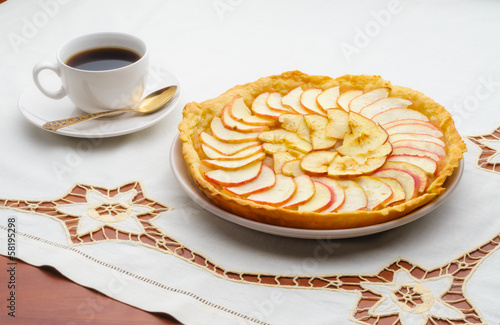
(399, 293)
(489, 156)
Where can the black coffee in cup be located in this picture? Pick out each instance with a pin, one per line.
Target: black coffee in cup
(103, 58)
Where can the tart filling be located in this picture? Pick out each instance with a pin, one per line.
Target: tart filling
(314, 152)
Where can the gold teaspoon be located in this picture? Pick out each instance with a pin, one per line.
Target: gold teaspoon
(149, 104)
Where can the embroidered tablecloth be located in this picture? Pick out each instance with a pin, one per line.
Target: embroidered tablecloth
(109, 214)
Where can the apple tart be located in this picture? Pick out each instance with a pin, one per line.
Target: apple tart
(314, 152)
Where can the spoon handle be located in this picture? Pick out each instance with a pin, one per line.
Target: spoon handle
(58, 124)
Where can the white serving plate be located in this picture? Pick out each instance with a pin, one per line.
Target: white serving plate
(181, 173)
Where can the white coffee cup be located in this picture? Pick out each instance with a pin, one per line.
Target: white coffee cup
(103, 90)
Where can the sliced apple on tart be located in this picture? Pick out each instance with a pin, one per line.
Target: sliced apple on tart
(290, 139)
(292, 101)
(382, 105)
(418, 174)
(296, 123)
(337, 191)
(279, 159)
(308, 99)
(274, 102)
(305, 191)
(230, 123)
(214, 154)
(328, 98)
(292, 168)
(359, 102)
(317, 124)
(226, 135)
(234, 177)
(415, 128)
(318, 162)
(319, 201)
(239, 111)
(398, 113)
(416, 137)
(377, 192)
(264, 181)
(282, 191)
(398, 193)
(338, 124)
(355, 196)
(261, 108)
(232, 164)
(345, 98)
(226, 148)
(404, 179)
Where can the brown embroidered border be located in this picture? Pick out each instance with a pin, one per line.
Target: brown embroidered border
(140, 278)
(486, 153)
(460, 269)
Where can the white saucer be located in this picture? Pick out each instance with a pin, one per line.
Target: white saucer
(39, 109)
(181, 173)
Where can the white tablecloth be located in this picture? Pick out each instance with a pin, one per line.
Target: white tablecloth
(449, 50)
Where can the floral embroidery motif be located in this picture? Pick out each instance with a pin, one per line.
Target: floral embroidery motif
(414, 300)
(99, 210)
(400, 293)
(489, 156)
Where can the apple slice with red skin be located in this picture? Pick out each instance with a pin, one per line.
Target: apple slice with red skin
(226, 135)
(347, 166)
(405, 179)
(345, 98)
(321, 199)
(230, 123)
(317, 125)
(292, 168)
(338, 123)
(415, 128)
(382, 151)
(297, 124)
(317, 162)
(328, 98)
(377, 192)
(355, 196)
(418, 174)
(410, 121)
(308, 101)
(292, 101)
(336, 189)
(240, 112)
(398, 113)
(426, 163)
(261, 108)
(365, 142)
(279, 160)
(275, 104)
(421, 145)
(399, 151)
(356, 104)
(305, 191)
(226, 148)
(290, 139)
(214, 154)
(282, 191)
(382, 105)
(272, 148)
(416, 137)
(264, 181)
(234, 164)
(234, 177)
(398, 193)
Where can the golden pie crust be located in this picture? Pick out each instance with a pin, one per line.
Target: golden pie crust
(198, 116)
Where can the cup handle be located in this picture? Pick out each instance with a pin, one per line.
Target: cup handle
(57, 94)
